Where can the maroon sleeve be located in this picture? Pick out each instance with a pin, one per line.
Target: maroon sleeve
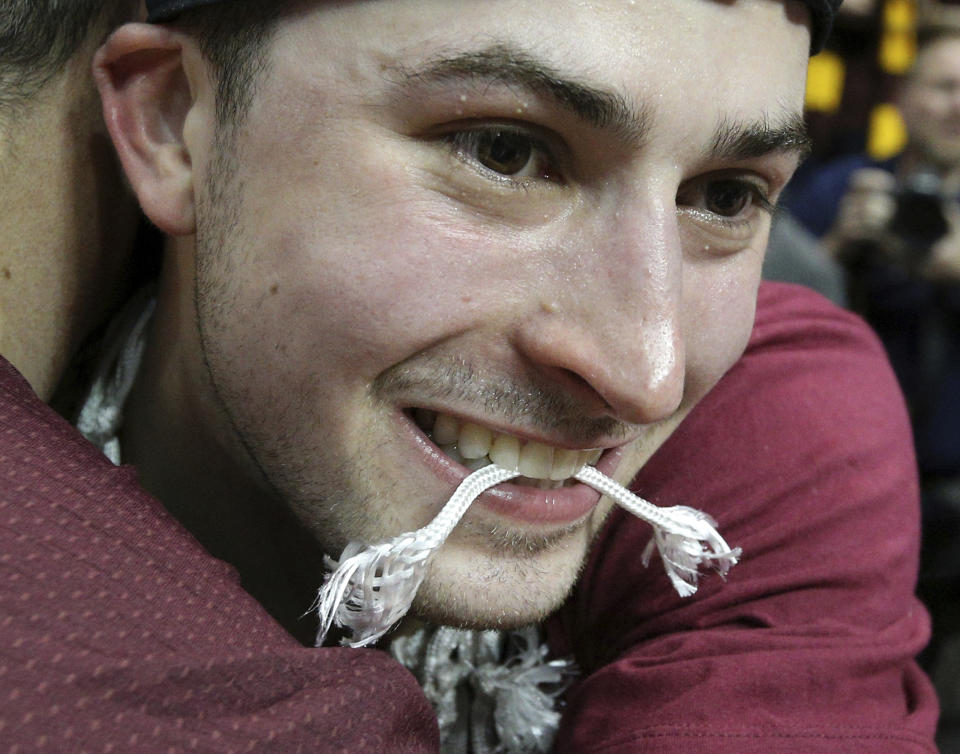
(803, 454)
(119, 633)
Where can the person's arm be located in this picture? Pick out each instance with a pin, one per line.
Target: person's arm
(803, 454)
(119, 632)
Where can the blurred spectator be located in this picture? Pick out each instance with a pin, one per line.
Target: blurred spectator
(929, 103)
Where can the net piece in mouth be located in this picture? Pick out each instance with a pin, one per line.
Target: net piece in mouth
(372, 585)
(476, 446)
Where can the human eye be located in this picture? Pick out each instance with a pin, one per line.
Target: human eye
(729, 199)
(505, 153)
(729, 207)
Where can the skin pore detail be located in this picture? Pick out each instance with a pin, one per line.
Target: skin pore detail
(532, 234)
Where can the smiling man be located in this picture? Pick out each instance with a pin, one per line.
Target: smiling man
(411, 237)
(537, 246)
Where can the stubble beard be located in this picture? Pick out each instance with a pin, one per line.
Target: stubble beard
(339, 496)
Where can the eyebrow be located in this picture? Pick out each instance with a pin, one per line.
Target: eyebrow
(743, 141)
(504, 64)
(507, 65)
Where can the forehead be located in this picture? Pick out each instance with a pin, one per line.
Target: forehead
(739, 54)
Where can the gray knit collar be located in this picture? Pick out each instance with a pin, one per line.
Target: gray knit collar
(494, 691)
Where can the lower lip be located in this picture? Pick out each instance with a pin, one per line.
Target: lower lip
(530, 505)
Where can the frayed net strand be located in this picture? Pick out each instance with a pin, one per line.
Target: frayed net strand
(371, 587)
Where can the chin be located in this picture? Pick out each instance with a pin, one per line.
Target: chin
(499, 591)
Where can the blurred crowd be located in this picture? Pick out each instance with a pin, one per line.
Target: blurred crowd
(878, 230)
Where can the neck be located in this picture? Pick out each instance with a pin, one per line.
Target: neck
(67, 220)
(168, 435)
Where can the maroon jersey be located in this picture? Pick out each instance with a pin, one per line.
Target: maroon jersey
(118, 632)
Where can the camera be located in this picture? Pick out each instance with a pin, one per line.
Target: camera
(918, 220)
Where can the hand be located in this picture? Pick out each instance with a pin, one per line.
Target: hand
(943, 262)
(865, 210)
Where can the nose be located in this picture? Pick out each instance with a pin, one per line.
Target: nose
(611, 321)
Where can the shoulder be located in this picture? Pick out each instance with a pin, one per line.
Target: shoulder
(808, 326)
(809, 361)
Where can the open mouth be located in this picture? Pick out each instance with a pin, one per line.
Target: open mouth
(475, 446)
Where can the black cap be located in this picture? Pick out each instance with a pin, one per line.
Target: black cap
(164, 10)
(821, 14)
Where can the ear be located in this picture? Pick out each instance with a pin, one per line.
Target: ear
(143, 74)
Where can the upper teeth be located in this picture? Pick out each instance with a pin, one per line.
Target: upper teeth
(476, 446)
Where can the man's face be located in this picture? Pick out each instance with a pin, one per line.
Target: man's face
(931, 103)
(528, 229)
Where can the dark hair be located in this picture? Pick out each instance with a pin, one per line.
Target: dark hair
(233, 37)
(38, 37)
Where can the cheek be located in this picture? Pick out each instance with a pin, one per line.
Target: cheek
(720, 302)
(360, 286)
(365, 260)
